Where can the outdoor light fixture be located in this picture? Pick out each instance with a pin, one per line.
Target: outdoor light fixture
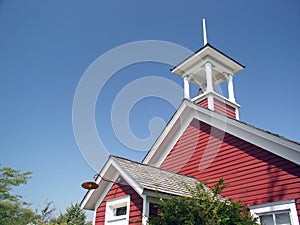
(90, 185)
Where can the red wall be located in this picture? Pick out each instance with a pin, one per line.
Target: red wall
(220, 107)
(204, 103)
(223, 108)
(255, 176)
(117, 191)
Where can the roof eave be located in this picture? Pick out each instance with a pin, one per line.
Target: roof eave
(188, 110)
(178, 68)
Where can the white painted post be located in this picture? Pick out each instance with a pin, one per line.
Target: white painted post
(186, 87)
(145, 213)
(208, 72)
(204, 32)
(209, 85)
(230, 88)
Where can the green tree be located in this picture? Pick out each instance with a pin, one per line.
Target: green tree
(12, 209)
(203, 208)
(12, 213)
(74, 215)
(45, 214)
(10, 178)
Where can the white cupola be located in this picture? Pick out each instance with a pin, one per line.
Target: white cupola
(207, 68)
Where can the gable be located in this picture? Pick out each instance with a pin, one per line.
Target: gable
(144, 180)
(256, 176)
(188, 111)
(118, 191)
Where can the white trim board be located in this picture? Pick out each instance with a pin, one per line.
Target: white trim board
(111, 170)
(188, 111)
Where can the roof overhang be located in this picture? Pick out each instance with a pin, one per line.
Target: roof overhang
(193, 66)
(145, 180)
(111, 171)
(188, 111)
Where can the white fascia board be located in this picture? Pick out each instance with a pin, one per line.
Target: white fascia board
(155, 196)
(105, 191)
(178, 131)
(131, 182)
(111, 171)
(277, 145)
(206, 52)
(168, 131)
(91, 197)
(188, 111)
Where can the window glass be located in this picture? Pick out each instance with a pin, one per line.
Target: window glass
(283, 218)
(121, 211)
(266, 220)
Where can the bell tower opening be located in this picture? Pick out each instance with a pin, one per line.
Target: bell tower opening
(207, 68)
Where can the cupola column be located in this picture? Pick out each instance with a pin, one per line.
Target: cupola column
(208, 72)
(230, 88)
(186, 87)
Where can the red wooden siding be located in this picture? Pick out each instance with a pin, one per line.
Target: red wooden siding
(117, 191)
(204, 103)
(220, 107)
(256, 176)
(223, 108)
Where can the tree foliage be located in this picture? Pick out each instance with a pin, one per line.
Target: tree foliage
(203, 208)
(14, 211)
(45, 214)
(74, 215)
(10, 178)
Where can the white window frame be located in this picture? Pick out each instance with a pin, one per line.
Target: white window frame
(274, 207)
(113, 204)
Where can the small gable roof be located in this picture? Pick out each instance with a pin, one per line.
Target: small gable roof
(144, 179)
(156, 179)
(188, 111)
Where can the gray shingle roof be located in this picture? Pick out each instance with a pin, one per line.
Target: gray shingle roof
(156, 179)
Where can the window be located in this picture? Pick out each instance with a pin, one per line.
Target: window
(120, 211)
(277, 213)
(117, 211)
(276, 218)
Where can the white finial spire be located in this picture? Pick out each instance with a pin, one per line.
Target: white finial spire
(204, 32)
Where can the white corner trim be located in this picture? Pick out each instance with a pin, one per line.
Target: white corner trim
(287, 205)
(94, 217)
(145, 214)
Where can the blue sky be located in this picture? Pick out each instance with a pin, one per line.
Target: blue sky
(46, 46)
